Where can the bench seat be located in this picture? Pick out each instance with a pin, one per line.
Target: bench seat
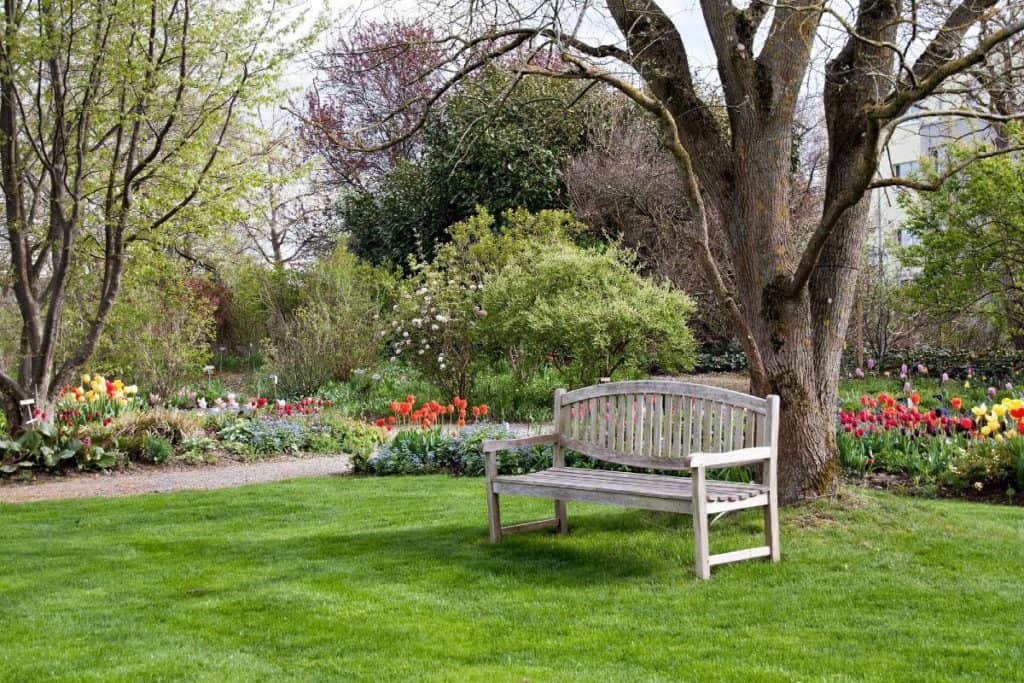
(629, 489)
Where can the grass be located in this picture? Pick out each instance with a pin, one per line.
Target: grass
(392, 579)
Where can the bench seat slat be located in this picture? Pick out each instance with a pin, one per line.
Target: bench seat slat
(649, 485)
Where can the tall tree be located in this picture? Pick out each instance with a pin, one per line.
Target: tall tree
(113, 116)
(791, 290)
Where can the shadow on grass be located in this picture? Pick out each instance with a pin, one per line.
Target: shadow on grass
(602, 548)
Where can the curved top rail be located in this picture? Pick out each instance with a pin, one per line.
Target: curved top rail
(667, 387)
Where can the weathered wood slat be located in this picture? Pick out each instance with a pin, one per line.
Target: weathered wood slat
(608, 498)
(669, 387)
(713, 484)
(608, 455)
(650, 485)
(709, 412)
(530, 526)
(739, 420)
(738, 555)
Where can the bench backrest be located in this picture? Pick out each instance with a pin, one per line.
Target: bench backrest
(658, 423)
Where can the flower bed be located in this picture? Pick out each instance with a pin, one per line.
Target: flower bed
(968, 444)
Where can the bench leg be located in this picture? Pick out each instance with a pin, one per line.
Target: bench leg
(493, 515)
(562, 516)
(771, 526)
(702, 548)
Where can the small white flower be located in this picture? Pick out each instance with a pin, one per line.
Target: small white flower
(405, 334)
(420, 352)
(421, 291)
(440, 318)
(435, 327)
(442, 366)
(375, 377)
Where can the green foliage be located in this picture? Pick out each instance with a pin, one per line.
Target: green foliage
(485, 146)
(720, 357)
(260, 300)
(589, 313)
(50, 447)
(355, 437)
(260, 436)
(367, 393)
(438, 317)
(158, 451)
(970, 252)
(337, 328)
(430, 451)
(160, 329)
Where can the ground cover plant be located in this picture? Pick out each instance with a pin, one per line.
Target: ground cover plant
(393, 579)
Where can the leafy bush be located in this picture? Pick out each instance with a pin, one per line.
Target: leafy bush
(721, 357)
(515, 397)
(355, 437)
(515, 161)
(587, 312)
(263, 435)
(438, 314)
(437, 450)
(159, 330)
(338, 327)
(260, 300)
(158, 451)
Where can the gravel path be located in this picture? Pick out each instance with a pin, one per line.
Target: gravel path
(162, 480)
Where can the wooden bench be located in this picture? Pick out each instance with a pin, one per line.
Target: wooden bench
(660, 425)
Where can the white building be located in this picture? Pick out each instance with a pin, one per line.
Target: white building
(910, 144)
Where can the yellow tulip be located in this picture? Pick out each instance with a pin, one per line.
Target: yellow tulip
(131, 389)
(85, 379)
(979, 411)
(999, 410)
(967, 385)
(998, 438)
(986, 430)
(118, 384)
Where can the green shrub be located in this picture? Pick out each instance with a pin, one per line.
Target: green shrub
(589, 313)
(336, 330)
(430, 451)
(368, 393)
(159, 330)
(437, 319)
(158, 450)
(260, 301)
(355, 437)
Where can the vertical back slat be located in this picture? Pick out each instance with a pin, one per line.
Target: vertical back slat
(724, 427)
(708, 411)
(739, 418)
(696, 424)
(748, 430)
(672, 426)
(602, 421)
(638, 426)
(658, 445)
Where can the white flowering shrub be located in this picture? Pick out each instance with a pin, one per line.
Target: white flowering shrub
(438, 321)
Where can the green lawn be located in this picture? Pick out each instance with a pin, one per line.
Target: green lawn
(393, 579)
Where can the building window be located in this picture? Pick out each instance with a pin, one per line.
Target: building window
(905, 169)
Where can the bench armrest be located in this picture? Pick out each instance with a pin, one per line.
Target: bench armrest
(495, 445)
(743, 456)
